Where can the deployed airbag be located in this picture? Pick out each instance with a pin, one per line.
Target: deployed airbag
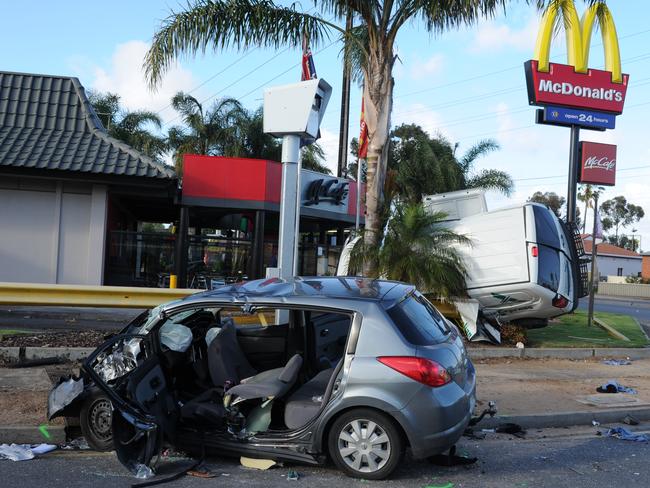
(176, 337)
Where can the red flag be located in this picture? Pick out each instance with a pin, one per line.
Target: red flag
(308, 67)
(363, 136)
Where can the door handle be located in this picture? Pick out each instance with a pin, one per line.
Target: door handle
(324, 332)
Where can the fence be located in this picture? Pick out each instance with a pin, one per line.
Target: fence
(624, 290)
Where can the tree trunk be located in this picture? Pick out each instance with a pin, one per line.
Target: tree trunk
(378, 98)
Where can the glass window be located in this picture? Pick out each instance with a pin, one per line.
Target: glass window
(548, 268)
(619, 271)
(545, 227)
(418, 321)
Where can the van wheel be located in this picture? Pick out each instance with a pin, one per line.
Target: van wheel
(95, 419)
(365, 444)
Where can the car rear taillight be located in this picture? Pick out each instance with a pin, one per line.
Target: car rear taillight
(560, 302)
(534, 251)
(421, 370)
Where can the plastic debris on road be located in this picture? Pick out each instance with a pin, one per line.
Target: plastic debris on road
(292, 475)
(24, 452)
(625, 435)
(448, 485)
(617, 362)
(629, 420)
(613, 386)
(142, 471)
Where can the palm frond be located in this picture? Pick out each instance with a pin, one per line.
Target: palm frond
(479, 149)
(222, 24)
(492, 179)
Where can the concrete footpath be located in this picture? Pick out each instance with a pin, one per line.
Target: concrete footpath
(533, 392)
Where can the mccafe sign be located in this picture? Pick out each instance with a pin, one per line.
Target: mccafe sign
(574, 84)
(330, 190)
(598, 165)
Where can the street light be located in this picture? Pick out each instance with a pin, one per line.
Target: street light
(293, 112)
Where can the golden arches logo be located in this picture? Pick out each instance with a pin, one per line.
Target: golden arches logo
(578, 37)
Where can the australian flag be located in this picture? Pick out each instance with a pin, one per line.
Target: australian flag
(308, 68)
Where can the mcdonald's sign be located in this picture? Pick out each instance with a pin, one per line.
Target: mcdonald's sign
(574, 84)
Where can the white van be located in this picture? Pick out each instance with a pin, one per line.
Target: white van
(523, 263)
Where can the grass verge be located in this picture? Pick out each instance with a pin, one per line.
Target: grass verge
(571, 331)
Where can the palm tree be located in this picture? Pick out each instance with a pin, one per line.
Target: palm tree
(427, 165)
(220, 24)
(313, 158)
(416, 247)
(216, 131)
(130, 127)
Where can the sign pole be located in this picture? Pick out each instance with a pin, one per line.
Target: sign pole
(289, 209)
(574, 165)
(592, 287)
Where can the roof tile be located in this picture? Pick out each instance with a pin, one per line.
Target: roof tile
(48, 122)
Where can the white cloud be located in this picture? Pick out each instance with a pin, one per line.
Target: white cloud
(329, 141)
(426, 69)
(419, 114)
(493, 37)
(125, 77)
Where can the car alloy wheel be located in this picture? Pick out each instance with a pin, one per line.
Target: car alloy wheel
(365, 443)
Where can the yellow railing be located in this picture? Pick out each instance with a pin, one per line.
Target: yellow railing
(87, 296)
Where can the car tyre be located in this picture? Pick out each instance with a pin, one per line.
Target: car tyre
(353, 444)
(95, 419)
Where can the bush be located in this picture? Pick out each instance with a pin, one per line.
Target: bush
(511, 334)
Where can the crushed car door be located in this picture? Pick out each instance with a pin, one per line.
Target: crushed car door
(128, 369)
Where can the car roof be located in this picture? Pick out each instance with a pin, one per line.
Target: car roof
(339, 287)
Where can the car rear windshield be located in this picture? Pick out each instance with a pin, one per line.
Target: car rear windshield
(418, 321)
(545, 227)
(548, 268)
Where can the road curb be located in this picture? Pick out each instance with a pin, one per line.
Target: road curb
(558, 353)
(31, 434)
(13, 354)
(566, 419)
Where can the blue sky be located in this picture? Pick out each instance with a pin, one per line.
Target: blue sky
(466, 84)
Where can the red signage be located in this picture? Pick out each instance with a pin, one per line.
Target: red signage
(598, 163)
(561, 85)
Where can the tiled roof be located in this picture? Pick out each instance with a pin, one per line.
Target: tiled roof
(606, 249)
(47, 122)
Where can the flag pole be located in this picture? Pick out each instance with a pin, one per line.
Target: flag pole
(592, 282)
(356, 219)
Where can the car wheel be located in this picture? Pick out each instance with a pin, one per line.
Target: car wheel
(95, 419)
(365, 444)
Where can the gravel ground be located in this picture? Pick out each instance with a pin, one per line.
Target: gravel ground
(79, 338)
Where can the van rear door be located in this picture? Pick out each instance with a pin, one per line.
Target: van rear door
(498, 252)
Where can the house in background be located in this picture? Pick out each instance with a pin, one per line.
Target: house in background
(65, 185)
(612, 260)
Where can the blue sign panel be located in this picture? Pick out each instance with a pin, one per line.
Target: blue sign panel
(584, 118)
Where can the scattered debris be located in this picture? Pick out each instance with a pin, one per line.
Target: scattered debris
(24, 452)
(595, 423)
(625, 435)
(473, 434)
(293, 475)
(76, 444)
(510, 428)
(452, 459)
(629, 420)
(617, 362)
(448, 485)
(519, 345)
(202, 473)
(256, 463)
(44, 432)
(142, 471)
(613, 386)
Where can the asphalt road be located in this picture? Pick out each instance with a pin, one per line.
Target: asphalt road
(571, 458)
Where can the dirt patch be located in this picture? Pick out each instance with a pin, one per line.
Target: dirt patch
(81, 338)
